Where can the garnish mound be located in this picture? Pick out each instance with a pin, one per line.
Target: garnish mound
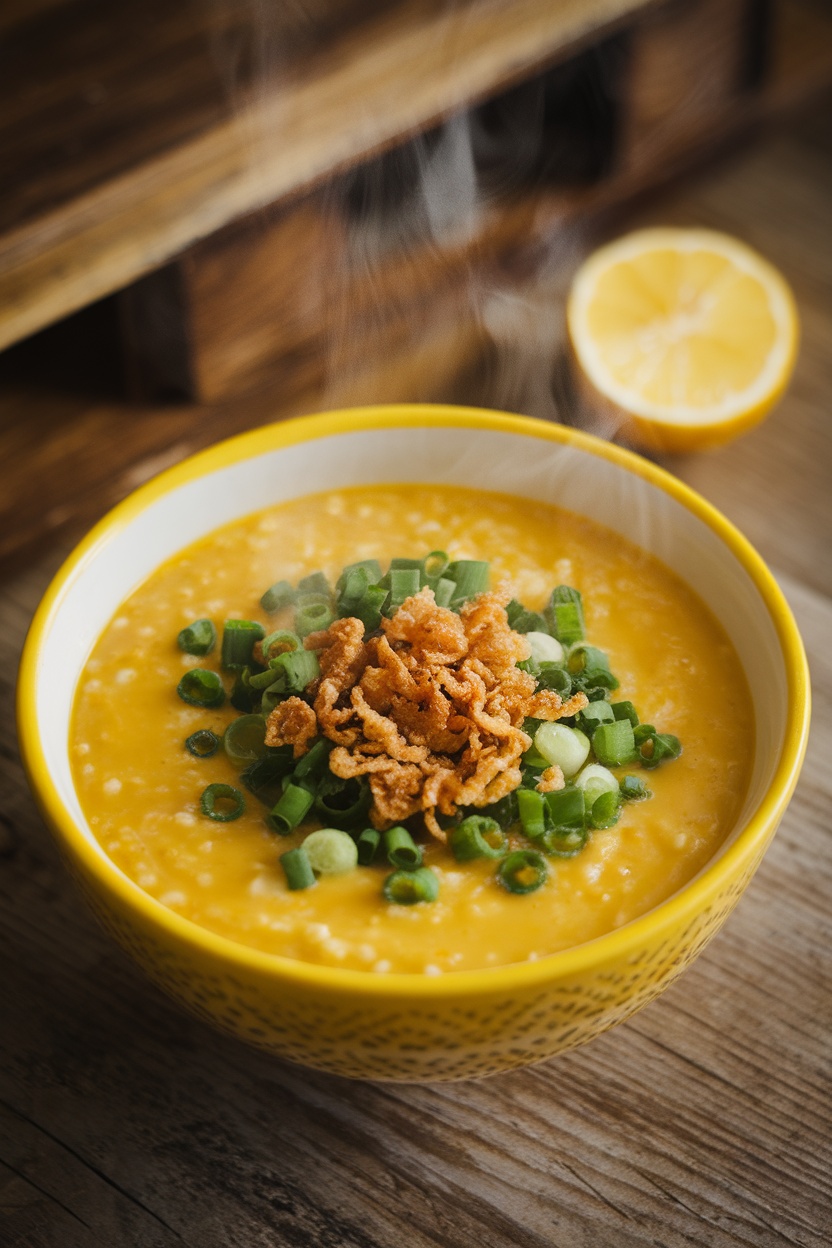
(430, 708)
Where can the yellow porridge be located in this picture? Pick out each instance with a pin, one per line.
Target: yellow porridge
(142, 789)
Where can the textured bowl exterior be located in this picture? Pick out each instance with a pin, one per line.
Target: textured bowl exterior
(411, 1027)
(410, 1037)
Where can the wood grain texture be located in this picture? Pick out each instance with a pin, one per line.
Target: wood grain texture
(704, 1122)
(336, 100)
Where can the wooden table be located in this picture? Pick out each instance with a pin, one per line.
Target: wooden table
(703, 1121)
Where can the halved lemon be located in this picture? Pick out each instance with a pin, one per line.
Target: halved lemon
(687, 336)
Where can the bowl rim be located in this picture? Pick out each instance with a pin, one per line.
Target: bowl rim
(615, 945)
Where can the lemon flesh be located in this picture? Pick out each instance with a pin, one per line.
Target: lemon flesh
(689, 335)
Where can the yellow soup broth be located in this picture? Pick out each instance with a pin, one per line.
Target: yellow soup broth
(140, 788)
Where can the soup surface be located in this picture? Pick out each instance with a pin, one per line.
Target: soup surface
(140, 789)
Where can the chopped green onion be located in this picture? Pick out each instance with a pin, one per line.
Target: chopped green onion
(545, 648)
(315, 583)
(297, 869)
(443, 591)
(273, 696)
(278, 596)
(222, 803)
(565, 615)
(562, 747)
(367, 845)
(331, 852)
(523, 621)
(597, 712)
(369, 610)
(522, 871)
(563, 842)
(199, 687)
(477, 837)
(291, 810)
(238, 638)
(658, 747)
(403, 583)
(606, 809)
(435, 566)
(614, 744)
(312, 617)
(595, 780)
(279, 642)
(531, 809)
(402, 851)
(313, 764)
(407, 888)
(198, 638)
(245, 696)
(264, 777)
(553, 676)
(566, 808)
(343, 803)
(625, 710)
(202, 744)
(244, 739)
(371, 569)
(406, 564)
(504, 812)
(300, 668)
(265, 680)
(592, 666)
(351, 588)
(470, 577)
(633, 789)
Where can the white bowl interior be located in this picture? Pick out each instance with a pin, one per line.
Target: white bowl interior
(529, 467)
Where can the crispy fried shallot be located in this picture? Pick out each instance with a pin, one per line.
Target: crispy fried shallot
(430, 709)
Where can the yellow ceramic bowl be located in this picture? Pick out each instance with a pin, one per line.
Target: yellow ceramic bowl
(467, 1023)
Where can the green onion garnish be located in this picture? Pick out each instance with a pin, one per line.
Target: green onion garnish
(554, 676)
(592, 666)
(331, 852)
(265, 777)
(565, 615)
(312, 617)
(523, 621)
(315, 583)
(614, 744)
(245, 695)
(222, 803)
(238, 638)
(658, 747)
(299, 667)
(477, 837)
(202, 744)
(625, 710)
(470, 577)
(343, 803)
(563, 842)
(532, 811)
(522, 871)
(403, 583)
(291, 810)
(278, 596)
(367, 845)
(566, 807)
(443, 591)
(199, 687)
(279, 642)
(198, 638)
(633, 789)
(435, 566)
(402, 851)
(606, 810)
(313, 764)
(562, 747)
(244, 739)
(598, 712)
(406, 888)
(297, 869)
